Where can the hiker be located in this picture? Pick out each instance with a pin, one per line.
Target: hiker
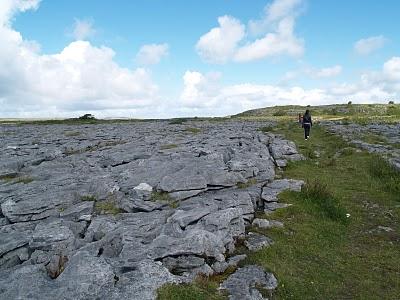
(300, 120)
(307, 123)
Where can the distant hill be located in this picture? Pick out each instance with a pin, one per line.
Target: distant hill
(329, 110)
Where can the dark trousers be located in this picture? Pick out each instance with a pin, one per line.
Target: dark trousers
(307, 128)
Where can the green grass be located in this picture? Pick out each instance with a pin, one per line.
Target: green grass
(193, 130)
(202, 288)
(107, 207)
(321, 253)
(71, 133)
(24, 179)
(164, 197)
(385, 173)
(248, 183)
(177, 121)
(88, 198)
(374, 139)
(168, 146)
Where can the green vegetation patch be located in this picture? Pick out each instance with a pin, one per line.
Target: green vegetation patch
(164, 197)
(193, 130)
(248, 183)
(168, 146)
(178, 121)
(71, 133)
(386, 174)
(88, 198)
(107, 207)
(371, 138)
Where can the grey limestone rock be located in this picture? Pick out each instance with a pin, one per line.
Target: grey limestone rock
(243, 284)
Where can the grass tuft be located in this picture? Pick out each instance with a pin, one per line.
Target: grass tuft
(193, 130)
(178, 121)
(248, 183)
(107, 207)
(319, 195)
(88, 198)
(385, 173)
(168, 146)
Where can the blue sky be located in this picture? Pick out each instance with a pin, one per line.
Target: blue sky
(146, 58)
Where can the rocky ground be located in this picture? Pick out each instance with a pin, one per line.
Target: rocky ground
(382, 139)
(115, 211)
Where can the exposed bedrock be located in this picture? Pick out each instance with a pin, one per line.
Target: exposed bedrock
(115, 211)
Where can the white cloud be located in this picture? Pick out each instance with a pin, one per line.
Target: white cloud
(81, 77)
(83, 29)
(313, 73)
(8, 8)
(374, 87)
(200, 90)
(327, 72)
(391, 69)
(230, 41)
(220, 43)
(368, 45)
(273, 44)
(152, 54)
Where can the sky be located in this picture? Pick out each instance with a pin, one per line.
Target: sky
(175, 58)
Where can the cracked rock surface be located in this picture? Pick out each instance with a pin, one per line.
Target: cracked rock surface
(114, 211)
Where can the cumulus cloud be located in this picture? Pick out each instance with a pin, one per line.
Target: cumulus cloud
(368, 45)
(220, 43)
(83, 29)
(80, 77)
(152, 54)
(232, 41)
(373, 87)
(314, 73)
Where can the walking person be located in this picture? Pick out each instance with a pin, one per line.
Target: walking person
(307, 123)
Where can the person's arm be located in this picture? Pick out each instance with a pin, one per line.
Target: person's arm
(310, 120)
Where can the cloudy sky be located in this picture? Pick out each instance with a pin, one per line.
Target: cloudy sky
(156, 58)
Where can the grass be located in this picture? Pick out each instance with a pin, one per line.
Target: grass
(321, 252)
(385, 173)
(168, 146)
(15, 178)
(107, 207)
(193, 130)
(177, 121)
(202, 288)
(248, 183)
(24, 179)
(88, 198)
(331, 246)
(71, 133)
(164, 197)
(374, 139)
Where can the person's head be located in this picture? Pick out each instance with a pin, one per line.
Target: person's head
(307, 112)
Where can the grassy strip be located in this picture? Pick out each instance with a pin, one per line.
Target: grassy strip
(322, 253)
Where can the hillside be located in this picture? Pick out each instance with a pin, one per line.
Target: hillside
(326, 110)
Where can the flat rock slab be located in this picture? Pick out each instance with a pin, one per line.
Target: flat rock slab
(245, 282)
(255, 241)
